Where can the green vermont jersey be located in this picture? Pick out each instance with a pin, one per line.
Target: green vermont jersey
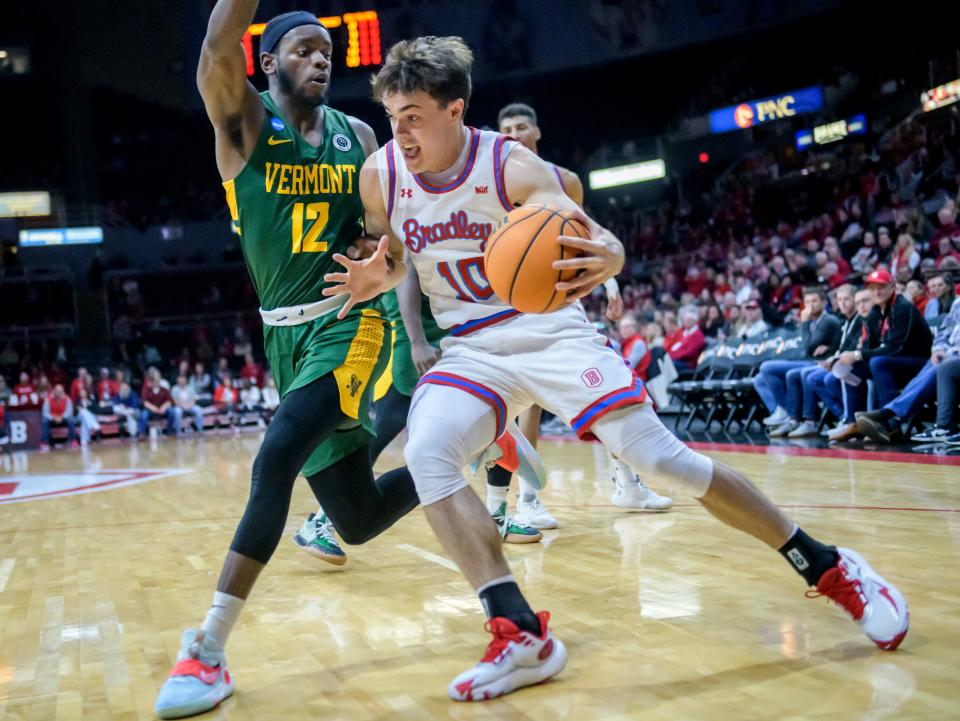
(295, 205)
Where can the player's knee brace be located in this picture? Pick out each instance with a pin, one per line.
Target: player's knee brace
(637, 436)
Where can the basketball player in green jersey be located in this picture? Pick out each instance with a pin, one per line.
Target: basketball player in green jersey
(290, 166)
(519, 121)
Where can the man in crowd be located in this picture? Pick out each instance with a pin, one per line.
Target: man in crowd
(818, 383)
(57, 413)
(779, 382)
(157, 403)
(856, 334)
(185, 403)
(886, 424)
(127, 404)
(753, 322)
(689, 343)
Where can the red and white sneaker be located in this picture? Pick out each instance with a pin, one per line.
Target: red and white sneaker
(876, 605)
(513, 659)
(199, 680)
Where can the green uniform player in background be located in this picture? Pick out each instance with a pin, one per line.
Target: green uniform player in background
(291, 168)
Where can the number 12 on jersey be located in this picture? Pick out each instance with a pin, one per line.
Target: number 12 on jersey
(467, 278)
(319, 213)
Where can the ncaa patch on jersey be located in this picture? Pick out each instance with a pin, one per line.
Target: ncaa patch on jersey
(277, 124)
(342, 142)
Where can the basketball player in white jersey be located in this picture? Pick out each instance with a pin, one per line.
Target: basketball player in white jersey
(440, 188)
(519, 121)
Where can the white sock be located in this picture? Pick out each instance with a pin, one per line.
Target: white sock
(623, 473)
(319, 511)
(496, 495)
(528, 491)
(223, 613)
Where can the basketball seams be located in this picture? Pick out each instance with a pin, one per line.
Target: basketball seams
(576, 226)
(526, 251)
(500, 233)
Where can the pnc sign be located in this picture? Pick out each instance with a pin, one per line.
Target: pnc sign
(757, 112)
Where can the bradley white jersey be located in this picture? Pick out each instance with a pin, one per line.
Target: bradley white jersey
(445, 229)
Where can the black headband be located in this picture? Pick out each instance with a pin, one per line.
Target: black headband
(281, 25)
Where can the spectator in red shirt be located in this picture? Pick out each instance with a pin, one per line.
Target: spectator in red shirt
(25, 394)
(83, 380)
(686, 349)
(633, 347)
(252, 370)
(671, 331)
(107, 387)
(157, 403)
(57, 411)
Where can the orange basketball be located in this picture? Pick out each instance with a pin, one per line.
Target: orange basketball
(519, 257)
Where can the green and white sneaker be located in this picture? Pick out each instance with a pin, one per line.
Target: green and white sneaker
(513, 532)
(316, 537)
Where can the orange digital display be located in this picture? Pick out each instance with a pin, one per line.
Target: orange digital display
(363, 38)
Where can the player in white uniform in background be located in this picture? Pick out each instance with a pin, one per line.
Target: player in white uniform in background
(440, 188)
(519, 121)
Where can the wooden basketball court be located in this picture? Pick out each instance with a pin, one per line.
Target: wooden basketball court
(667, 616)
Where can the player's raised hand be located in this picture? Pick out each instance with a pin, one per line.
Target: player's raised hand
(362, 279)
(601, 257)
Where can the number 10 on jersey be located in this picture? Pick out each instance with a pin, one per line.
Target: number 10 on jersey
(467, 278)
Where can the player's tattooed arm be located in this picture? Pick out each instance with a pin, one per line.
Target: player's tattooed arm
(230, 99)
(530, 181)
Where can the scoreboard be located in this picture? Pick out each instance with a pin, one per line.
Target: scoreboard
(360, 30)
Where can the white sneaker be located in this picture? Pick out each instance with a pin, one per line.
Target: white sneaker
(316, 537)
(513, 659)
(807, 428)
(534, 513)
(199, 680)
(637, 497)
(783, 430)
(877, 606)
(779, 417)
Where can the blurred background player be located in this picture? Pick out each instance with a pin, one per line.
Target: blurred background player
(519, 121)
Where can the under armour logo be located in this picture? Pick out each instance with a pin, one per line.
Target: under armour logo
(480, 189)
(406, 192)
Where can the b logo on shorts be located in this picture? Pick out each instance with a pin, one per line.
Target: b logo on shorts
(591, 378)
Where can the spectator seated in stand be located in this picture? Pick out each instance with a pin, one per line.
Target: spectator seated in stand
(688, 343)
(902, 347)
(25, 395)
(940, 296)
(780, 382)
(185, 404)
(252, 371)
(87, 410)
(819, 384)
(157, 404)
(201, 384)
(856, 334)
(107, 388)
(127, 405)
(250, 402)
(752, 324)
(225, 398)
(57, 413)
(886, 424)
(4, 421)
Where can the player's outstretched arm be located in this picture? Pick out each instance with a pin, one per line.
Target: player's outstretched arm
(230, 99)
(367, 278)
(529, 181)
